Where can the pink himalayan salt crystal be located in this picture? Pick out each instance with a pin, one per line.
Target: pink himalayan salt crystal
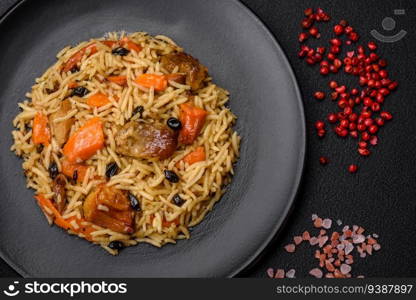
(322, 240)
(345, 269)
(280, 273)
(270, 272)
(290, 273)
(316, 273)
(327, 223)
(290, 248)
(358, 238)
(314, 217)
(297, 240)
(376, 247)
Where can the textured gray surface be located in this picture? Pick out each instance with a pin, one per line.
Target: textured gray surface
(381, 197)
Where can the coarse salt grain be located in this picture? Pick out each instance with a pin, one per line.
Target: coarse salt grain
(270, 272)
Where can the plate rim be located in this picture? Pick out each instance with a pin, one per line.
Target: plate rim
(301, 157)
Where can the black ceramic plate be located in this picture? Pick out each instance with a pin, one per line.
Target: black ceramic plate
(241, 55)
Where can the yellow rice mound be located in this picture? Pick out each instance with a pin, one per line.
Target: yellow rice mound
(201, 184)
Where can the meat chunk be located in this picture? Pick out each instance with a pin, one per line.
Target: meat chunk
(110, 208)
(59, 190)
(142, 140)
(194, 70)
(61, 129)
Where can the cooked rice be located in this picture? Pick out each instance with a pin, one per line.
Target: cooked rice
(201, 185)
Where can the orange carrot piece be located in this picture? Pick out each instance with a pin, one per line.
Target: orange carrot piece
(40, 131)
(77, 57)
(85, 142)
(120, 80)
(192, 119)
(158, 82)
(131, 45)
(47, 206)
(195, 156)
(97, 100)
(68, 170)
